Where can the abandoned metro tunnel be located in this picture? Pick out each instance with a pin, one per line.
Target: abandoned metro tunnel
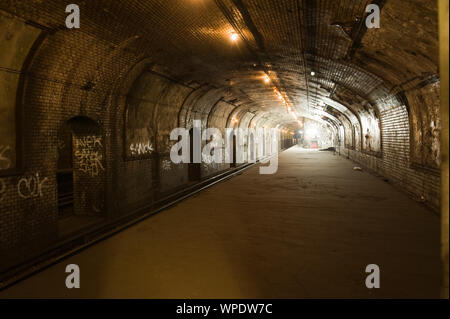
(224, 149)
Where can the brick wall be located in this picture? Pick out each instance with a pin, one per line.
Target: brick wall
(71, 75)
(394, 163)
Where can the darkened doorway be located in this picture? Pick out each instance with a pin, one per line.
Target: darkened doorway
(64, 173)
(231, 149)
(233, 164)
(194, 169)
(251, 148)
(80, 175)
(264, 143)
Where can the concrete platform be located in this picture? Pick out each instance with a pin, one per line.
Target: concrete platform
(307, 232)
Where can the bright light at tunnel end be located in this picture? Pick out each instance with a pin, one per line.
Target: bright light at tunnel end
(311, 132)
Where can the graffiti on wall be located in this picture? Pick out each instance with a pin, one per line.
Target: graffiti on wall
(61, 145)
(166, 165)
(5, 162)
(141, 148)
(31, 186)
(88, 151)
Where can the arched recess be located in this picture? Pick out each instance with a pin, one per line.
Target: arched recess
(423, 105)
(346, 131)
(198, 106)
(368, 126)
(217, 119)
(18, 44)
(152, 110)
(241, 118)
(81, 168)
(184, 115)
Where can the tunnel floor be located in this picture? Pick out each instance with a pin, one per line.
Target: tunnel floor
(308, 231)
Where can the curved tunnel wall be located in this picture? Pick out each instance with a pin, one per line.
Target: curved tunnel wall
(70, 75)
(388, 125)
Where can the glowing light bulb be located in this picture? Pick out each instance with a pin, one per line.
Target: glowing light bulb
(313, 73)
(234, 37)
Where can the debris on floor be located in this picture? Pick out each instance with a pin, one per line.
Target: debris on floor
(357, 168)
(330, 149)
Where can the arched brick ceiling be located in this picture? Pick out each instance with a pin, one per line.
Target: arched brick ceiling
(189, 40)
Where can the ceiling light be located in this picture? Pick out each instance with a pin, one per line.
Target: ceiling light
(313, 73)
(234, 37)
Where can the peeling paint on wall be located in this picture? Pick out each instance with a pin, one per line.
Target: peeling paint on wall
(425, 126)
